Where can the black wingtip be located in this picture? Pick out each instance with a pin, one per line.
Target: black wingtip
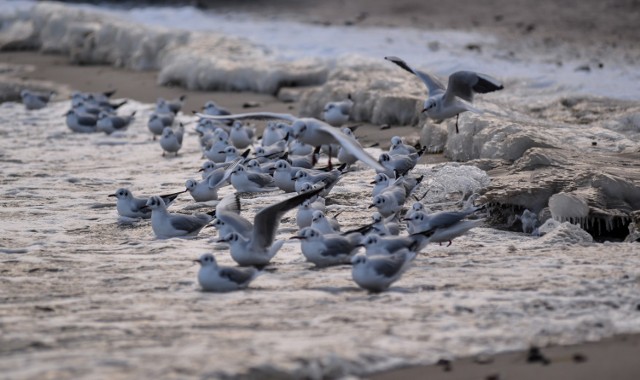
(108, 94)
(182, 97)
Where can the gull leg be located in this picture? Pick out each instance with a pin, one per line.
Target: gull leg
(330, 166)
(450, 242)
(457, 116)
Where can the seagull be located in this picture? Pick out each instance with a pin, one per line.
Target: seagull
(283, 176)
(241, 136)
(173, 106)
(305, 212)
(111, 123)
(398, 164)
(211, 108)
(456, 98)
(207, 189)
(375, 244)
(323, 225)
(337, 113)
(35, 100)
(253, 243)
(399, 147)
(421, 221)
(170, 141)
(215, 278)
(81, 123)
(158, 121)
(247, 182)
(311, 131)
(132, 207)
(344, 156)
(326, 249)
(390, 200)
(377, 273)
(329, 179)
(272, 134)
(166, 225)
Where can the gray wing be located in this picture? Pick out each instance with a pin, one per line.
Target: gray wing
(238, 275)
(260, 179)
(337, 245)
(187, 223)
(251, 115)
(446, 219)
(266, 221)
(43, 97)
(230, 203)
(464, 83)
(351, 146)
(87, 119)
(387, 266)
(345, 107)
(433, 85)
(168, 198)
(139, 204)
(238, 223)
(119, 122)
(227, 173)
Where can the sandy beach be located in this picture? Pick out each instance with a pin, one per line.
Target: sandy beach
(120, 304)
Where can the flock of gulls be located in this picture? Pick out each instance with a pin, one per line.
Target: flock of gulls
(285, 158)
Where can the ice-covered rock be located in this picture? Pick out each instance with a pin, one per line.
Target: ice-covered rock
(380, 95)
(599, 191)
(566, 233)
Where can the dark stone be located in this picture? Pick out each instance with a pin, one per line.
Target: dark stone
(579, 358)
(445, 364)
(536, 356)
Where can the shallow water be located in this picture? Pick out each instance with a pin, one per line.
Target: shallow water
(85, 296)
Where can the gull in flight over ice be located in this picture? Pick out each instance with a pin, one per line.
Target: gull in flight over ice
(444, 103)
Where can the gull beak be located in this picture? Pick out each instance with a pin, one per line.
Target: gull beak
(406, 219)
(424, 110)
(298, 237)
(371, 205)
(222, 240)
(198, 261)
(201, 170)
(111, 195)
(360, 245)
(372, 182)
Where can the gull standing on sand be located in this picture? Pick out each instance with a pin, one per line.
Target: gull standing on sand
(443, 226)
(311, 131)
(81, 123)
(215, 278)
(254, 244)
(112, 123)
(323, 224)
(241, 136)
(246, 182)
(170, 106)
(158, 122)
(456, 98)
(171, 141)
(337, 113)
(132, 207)
(35, 100)
(377, 273)
(211, 108)
(326, 249)
(166, 225)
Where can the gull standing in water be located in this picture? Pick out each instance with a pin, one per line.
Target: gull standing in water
(254, 244)
(310, 131)
(215, 278)
(444, 103)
